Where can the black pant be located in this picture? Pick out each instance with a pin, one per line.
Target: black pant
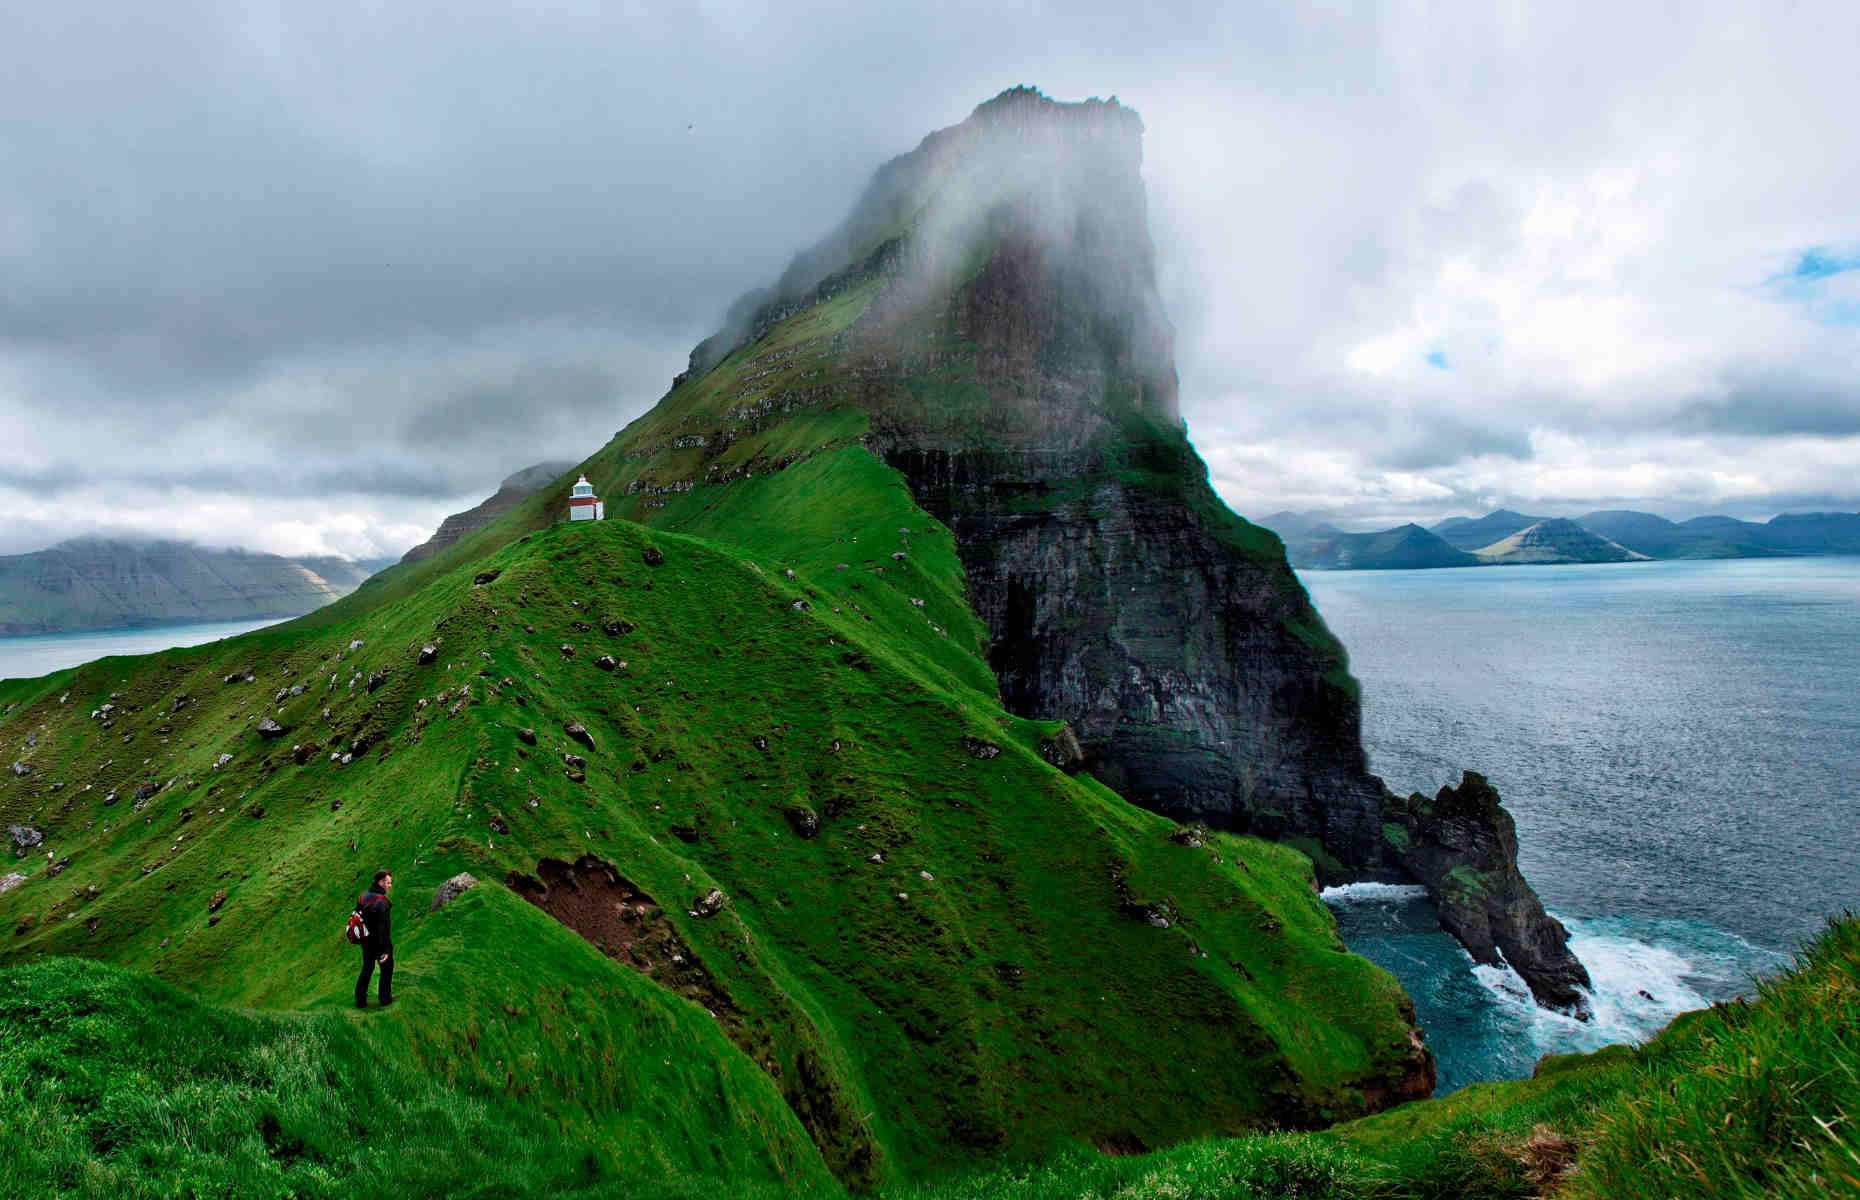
(369, 955)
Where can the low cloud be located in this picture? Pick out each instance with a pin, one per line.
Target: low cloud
(309, 279)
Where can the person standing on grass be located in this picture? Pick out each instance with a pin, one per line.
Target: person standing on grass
(378, 945)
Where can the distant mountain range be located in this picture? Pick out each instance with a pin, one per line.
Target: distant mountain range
(96, 583)
(1504, 537)
(105, 583)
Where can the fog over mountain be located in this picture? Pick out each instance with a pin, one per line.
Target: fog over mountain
(1560, 260)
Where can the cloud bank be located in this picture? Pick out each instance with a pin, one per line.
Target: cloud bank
(307, 278)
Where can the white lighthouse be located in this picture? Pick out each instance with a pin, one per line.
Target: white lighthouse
(583, 504)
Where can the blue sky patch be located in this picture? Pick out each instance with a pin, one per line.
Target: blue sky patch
(1804, 284)
(1820, 262)
(1438, 359)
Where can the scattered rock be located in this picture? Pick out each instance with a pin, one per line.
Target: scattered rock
(1154, 915)
(221, 761)
(575, 762)
(24, 837)
(877, 858)
(376, 679)
(21, 769)
(759, 742)
(897, 556)
(708, 905)
(10, 881)
(147, 789)
(568, 651)
(616, 628)
(527, 736)
(652, 556)
(980, 749)
(300, 753)
(803, 820)
(1062, 750)
(1193, 836)
(58, 868)
(685, 833)
(484, 577)
(577, 732)
(355, 645)
(496, 824)
(451, 890)
(606, 662)
(270, 729)
(800, 606)
(179, 702)
(219, 899)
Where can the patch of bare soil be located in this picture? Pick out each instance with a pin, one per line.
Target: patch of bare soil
(591, 897)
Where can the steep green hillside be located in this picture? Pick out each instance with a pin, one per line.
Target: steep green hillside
(1747, 1100)
(973, 953)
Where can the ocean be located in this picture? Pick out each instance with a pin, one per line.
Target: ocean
(38, 654)
(1679, 743)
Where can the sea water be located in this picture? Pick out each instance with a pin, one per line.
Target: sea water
(1679, 743)
(37, 654)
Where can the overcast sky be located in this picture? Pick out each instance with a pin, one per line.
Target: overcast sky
(306, 277)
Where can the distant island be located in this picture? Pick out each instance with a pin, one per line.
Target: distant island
(90, 584)
(95, 583)
(1507, 538)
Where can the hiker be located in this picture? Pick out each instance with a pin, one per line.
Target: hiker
(378, 940)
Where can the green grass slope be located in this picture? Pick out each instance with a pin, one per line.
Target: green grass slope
(1751, 1100)
(1031, 961)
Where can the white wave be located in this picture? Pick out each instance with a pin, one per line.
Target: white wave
(1639, 985)
(1365, 893)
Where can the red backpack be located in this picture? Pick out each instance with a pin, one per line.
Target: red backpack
(357, 929)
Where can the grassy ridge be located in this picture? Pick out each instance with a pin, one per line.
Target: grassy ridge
(117, 1085)
(992, 986)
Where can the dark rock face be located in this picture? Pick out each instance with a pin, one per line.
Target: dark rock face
(1463, 846)
(1177, 662)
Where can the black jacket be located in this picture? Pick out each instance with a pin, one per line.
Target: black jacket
(378, 915)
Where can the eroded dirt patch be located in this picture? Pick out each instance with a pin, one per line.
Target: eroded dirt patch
(591, 897)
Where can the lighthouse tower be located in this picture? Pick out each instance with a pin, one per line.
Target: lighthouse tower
(584, 505)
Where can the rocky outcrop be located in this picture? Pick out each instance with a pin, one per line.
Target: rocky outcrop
(1463, 846)
(510, 493)
(452, 889)
(95, 583)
